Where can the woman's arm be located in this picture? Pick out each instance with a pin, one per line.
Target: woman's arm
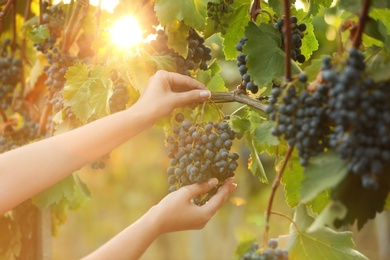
(32, 168)
(175, 212)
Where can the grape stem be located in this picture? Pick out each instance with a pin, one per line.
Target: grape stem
(275, 186)
(287, 39)
(362, 21)
(287, 217)
(237, 96)
(3, 114)
(4, 12)
(23, 49)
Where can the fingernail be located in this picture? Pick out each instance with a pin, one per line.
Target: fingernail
(204, 94)
(212, 182)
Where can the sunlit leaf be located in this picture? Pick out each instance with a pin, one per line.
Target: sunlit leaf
(322, 244)
(324, 171)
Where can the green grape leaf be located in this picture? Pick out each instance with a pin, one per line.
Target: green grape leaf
(315, 5)
(277, 5)
(292, 180)
(138, 69)
(353, 6)
(87, 92)
(54, 194)
(324, 171)
(237, 22)
(319, 202)
(264, 66)
(240, 124)
(217, 84)
(263, 134)
(177, 33)
(254, 163)
(39, 34)
(321, 244)
(192, 12)
(162, 62)
(334, 210)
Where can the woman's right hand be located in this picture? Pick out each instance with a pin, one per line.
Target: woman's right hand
(177, 211)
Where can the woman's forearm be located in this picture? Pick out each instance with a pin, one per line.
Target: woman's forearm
(132, 242)
(32, 168)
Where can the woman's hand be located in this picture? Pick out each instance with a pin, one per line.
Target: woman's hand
(177, 212)
(168, 90)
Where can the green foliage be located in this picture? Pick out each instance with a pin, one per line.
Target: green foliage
(321, 243)
(88, 92)
(325, 171)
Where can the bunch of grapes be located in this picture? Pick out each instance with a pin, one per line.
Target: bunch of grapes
(59, 63)
(218, 12)
(296, 37)
(302, 119)
(10, 68)
(120, 97)
(198, 52)
(54, 18)
(200, 152)
(360, 110)
(270, 253)
(16, 137)
(242, 59)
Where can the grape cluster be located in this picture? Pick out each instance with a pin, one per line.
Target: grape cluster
(270, 253)
(296, 37)
(14, 138)
(10, 68)
(242, 59)
(198, 52)
(120, 97)
(54, 18)
(302, 119)
(59, 63)
(218, 12)
(200, 152)
(360, 110)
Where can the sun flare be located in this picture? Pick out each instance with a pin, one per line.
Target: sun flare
(126, 32)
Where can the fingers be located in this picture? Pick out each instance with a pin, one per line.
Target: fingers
(218, 199)
(193, 96)
(179, 82)
(199, 188)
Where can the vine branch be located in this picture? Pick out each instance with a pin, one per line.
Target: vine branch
(255, 9)
(363, 18)
(4, 12)
(275, 186)
(287, 217)
(75, 23)
(237, 96)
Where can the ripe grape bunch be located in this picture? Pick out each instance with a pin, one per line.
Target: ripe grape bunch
(9, 74)
(242, 60)
(270, 253)
(301, 118)
(199, 152)
(198, 52)
(218, 12)
(296, 37)
(54, 18)
(360, 110)
(120, 96)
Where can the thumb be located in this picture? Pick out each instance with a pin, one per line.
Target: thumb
(193, 96)
(199, 188)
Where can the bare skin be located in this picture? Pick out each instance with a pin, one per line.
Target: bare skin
(30, 169)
